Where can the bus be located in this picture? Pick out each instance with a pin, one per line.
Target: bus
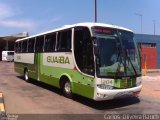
(94, 60)
(8, 56)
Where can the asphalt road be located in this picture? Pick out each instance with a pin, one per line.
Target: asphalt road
(38, 98)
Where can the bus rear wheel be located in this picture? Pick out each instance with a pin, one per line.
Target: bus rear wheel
(26, 78)
(67, 89)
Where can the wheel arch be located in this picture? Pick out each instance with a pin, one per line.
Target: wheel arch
(64, 77)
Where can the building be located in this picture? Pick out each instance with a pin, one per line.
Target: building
(7, 42)
(150, 50)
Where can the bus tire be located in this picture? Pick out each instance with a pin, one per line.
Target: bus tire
(67, 89)
(26, 78)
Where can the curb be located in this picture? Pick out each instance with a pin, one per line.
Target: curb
(151, 70)
(2, 108)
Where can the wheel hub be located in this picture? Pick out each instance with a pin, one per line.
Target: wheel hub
(67, 87)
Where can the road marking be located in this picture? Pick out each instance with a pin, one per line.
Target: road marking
(1, 95)
(2, 109)
(149, 78)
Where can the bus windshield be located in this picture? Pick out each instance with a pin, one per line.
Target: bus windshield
(117, 53)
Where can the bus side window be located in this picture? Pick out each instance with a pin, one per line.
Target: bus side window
(31, 43)
(16, 47)
(24, 46)
(10, 53)
(19, 47)
(64, 41)
(83, 50)
(39, 44)
(50, 42)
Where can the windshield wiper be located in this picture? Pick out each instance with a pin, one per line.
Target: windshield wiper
(129, 59)
(121, 55)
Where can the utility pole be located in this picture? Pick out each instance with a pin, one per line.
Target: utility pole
(140, 15)
(154, 24)
(95, 10)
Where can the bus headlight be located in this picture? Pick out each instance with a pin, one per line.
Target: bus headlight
(103, 86)
(138, 81)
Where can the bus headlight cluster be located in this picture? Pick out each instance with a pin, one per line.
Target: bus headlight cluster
(138, 81)
(103, 86)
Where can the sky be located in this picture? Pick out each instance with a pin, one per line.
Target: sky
(36, 16)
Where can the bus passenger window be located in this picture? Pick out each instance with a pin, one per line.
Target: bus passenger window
(10, 53)
(50, 42)
(24, 46)
(39, 44)
(16, 47)
(19, 47)
(31, 43)
(64, 41)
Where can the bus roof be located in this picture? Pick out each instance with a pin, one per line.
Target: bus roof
(86, 24)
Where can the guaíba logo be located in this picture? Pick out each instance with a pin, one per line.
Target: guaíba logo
(58, 59)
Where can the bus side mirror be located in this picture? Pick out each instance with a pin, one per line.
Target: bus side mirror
(95, 46)
(96, 49)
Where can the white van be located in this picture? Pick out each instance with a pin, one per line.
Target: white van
(7, 55)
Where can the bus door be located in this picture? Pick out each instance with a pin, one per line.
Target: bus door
(32, 68)
(38, 55)
(83, 52)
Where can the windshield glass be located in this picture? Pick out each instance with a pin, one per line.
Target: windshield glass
(117, 53)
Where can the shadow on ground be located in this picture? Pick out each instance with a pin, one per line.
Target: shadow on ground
(99, 105)
(108, 104)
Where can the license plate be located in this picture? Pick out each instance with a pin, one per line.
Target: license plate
(123, 95)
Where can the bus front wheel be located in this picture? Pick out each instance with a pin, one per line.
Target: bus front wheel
(67, 89)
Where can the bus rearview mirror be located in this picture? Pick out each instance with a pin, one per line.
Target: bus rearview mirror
(96, 49)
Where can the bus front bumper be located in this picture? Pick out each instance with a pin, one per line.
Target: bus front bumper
(103, 94)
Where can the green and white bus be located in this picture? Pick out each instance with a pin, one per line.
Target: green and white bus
(94, 60)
